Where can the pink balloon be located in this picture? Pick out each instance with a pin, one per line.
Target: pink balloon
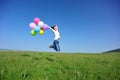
(32, 25)
(45, 26)
(36, 20)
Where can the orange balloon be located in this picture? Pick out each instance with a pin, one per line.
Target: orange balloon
(42, 28)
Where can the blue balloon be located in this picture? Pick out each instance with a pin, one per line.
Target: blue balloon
(37, 29)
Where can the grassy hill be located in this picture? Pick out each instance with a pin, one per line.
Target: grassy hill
(114, 50)
(26, 65)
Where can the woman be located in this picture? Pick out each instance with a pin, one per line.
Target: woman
(55, 44)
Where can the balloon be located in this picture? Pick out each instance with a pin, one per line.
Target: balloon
(37, 29)
(33, 33)
(42, 28)
(32, 25)
(41, 32)
(45, 26)
(36, 20)
(41, 23)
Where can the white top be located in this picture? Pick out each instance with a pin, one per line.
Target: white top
(56, 33)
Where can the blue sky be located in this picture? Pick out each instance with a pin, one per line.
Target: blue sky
(84, 25)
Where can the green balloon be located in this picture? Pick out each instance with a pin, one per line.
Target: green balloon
(33, 33)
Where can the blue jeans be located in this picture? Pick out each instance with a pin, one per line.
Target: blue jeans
(56, 45)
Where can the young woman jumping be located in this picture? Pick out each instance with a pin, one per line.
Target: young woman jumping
(55, 44)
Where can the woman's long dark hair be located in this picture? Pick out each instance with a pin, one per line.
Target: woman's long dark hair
(53, 26)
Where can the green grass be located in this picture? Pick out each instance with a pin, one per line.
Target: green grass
(26, 65)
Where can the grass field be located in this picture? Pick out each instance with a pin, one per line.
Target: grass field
(26, 65)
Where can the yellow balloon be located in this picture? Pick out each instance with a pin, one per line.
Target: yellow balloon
(41, 32)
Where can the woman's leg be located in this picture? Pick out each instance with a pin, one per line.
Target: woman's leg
(56, 45)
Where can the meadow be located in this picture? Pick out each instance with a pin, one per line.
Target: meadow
(28, 65)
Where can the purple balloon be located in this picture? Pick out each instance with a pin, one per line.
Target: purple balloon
(45, 26)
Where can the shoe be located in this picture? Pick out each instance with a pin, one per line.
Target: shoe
(51, 46)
